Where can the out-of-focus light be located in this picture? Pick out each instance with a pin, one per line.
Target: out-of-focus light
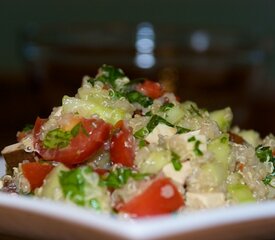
(145, 45)
(200, 41)
(145, 60)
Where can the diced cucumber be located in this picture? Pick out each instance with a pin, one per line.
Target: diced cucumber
(87, 108)
(155, 161)
(51, 188)
(221, 149)
(175, 114)
(251, 137)
(240, 193)
(214, 173)
(91, 93)
(223, 118)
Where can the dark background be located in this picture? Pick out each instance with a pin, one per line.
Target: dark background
(40, 63)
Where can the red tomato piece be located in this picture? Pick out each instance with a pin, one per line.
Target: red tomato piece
(88, 140)
(150, 89)
(122, 146)
(35, 173)
(161, 197)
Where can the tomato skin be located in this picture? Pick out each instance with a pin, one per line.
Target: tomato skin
(153, 201)
(150, 89)
(35, 173)
(80, 147)
(122, 146)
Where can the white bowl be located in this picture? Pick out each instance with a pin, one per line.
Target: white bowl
(44, 219)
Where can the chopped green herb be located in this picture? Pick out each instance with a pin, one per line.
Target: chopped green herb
(197, 151)
(166, 106)
(182, 130)
(109, 74)
(73, 184)
(267, 179)
(142, 143)
(119, 177)
(155, 120)
(191, 139)
(141, 133)
(57, 138)
(176, 161)
(115, 94)
(264, 153)
(80, 186)
(137, 97)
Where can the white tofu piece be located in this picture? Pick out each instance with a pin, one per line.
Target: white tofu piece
(178, 176)
(205, 200)
(190, 144)
(160, 129)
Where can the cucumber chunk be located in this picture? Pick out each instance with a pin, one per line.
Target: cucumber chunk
(51, 188)
(155, 161)
(240, 193)
(223, 118)
(87, 108)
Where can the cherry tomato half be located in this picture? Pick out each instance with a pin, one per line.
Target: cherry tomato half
(122, 145)
(35, 173)
(88, 140)
(150, 89)
(161, 197)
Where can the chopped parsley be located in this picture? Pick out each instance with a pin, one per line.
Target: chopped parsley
(155, 120)
(197, 150)
(191, 139)
(141, 133)
(267, 180)
(115, 94)
(264, 154)
(137, 97)
(109, 74)
(182, 130)
(58, 138)
(119, 177)
(73, 184)
(197, 143)
(166, 106)
(176, 161)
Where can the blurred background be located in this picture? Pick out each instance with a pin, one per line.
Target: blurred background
(216, 53)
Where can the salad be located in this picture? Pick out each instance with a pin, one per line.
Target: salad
(129, 147)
